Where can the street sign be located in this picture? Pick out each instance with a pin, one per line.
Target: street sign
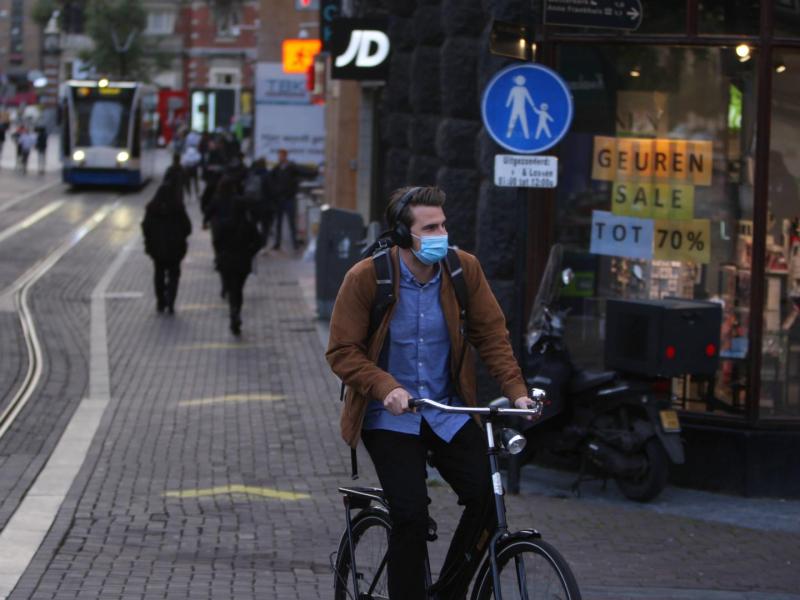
(607, 14)
(298, 54)
(527, 108)
(329, 10)
(513, 170)
(360, 49)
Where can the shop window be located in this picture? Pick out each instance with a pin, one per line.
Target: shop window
(787, 18)
(738, 17)
(780, 371)
(663, 137)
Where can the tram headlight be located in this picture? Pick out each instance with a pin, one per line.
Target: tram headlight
(78, 155)
(123, 157)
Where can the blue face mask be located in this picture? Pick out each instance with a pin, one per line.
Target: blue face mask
(433, 248)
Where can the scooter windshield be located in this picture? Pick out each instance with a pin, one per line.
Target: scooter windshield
(549, 287)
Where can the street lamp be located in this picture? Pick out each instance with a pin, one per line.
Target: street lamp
(122, 49)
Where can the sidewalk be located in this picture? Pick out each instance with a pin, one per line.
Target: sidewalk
(8, 156)
(214, 472)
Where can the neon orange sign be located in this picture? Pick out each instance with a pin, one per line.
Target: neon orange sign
(298, 54)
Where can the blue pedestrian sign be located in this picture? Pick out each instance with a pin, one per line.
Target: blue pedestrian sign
(527, 108)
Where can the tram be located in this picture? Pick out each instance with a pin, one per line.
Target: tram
(108, 132)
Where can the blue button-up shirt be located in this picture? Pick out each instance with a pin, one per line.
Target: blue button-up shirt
(418, 356)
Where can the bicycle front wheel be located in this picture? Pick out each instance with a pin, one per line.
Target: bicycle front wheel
(530, 569)
(371, 529)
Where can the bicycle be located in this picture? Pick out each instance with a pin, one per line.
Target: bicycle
(518, 565)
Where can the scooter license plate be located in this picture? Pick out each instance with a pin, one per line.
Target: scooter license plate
(669, 421)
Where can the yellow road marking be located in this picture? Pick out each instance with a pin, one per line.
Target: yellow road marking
(233, 398)
(216, 346)
(237, 488)
(198, 306)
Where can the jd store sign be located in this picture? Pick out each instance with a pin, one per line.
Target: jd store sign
(360, 49)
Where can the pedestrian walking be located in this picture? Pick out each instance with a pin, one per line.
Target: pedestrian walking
(421, 346)
(176, 176)
(41, 147)
(213, 168)
(258, 191)
(27, 140)
(285, 178)
(236, 241)
(190, 161)
(3, 131)
(166, 227)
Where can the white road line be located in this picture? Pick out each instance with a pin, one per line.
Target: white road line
(29, 525)
(40, 268)
(17, 296)
(30, 194)
(28, 221)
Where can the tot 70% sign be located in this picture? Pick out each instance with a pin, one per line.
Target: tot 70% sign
(682, 240)
(660, 239)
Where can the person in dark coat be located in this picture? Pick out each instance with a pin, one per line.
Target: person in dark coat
(217, 213)
(213, 170)
(166, 227)
(176, 176)
(265, 203)
(285, 178)
(41, 147)
(237, 240)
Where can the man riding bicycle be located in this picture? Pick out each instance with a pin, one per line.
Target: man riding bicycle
(422, 347)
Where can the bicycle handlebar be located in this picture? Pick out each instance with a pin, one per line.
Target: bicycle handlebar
(534, 411)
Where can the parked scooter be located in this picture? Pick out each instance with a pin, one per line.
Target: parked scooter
(618, 427)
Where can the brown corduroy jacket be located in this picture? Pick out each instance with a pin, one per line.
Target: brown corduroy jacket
(353, 357)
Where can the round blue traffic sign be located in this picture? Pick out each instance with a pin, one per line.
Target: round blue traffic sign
(527, 108)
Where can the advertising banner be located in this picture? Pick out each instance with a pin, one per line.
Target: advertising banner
(285, 117)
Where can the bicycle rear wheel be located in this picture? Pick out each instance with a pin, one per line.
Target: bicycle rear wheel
(530, 569)
(371, 541)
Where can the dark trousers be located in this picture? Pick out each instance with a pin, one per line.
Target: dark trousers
(400, 461)
(234, 286)
(265, 223)
(191, 179)
(288, 207)
(167, 275)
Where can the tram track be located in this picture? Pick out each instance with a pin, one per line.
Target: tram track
(16, 298)
(31, 194)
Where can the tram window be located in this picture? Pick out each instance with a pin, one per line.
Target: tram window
(103, 122)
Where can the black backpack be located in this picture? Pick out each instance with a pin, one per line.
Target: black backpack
(385, 297)
(253, 185)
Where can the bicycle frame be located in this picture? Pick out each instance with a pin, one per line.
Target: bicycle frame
(364, 499)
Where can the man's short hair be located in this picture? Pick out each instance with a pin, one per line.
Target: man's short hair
(421, 196)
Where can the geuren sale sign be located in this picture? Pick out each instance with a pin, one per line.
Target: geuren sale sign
(686, 162)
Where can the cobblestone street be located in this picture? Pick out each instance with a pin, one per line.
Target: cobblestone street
(214, 469)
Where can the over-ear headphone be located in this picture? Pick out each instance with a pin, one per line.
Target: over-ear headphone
(401, 234)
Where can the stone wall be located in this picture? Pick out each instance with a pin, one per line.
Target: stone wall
(430, 122)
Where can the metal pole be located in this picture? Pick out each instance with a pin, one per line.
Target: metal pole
(520, 288)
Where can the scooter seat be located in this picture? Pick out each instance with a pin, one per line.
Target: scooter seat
(586, 380)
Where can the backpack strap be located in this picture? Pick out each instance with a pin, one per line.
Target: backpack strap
(384, 290)
(453, 264)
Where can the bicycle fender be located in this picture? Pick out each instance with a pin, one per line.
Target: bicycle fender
(485, 566)
(523, 534)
